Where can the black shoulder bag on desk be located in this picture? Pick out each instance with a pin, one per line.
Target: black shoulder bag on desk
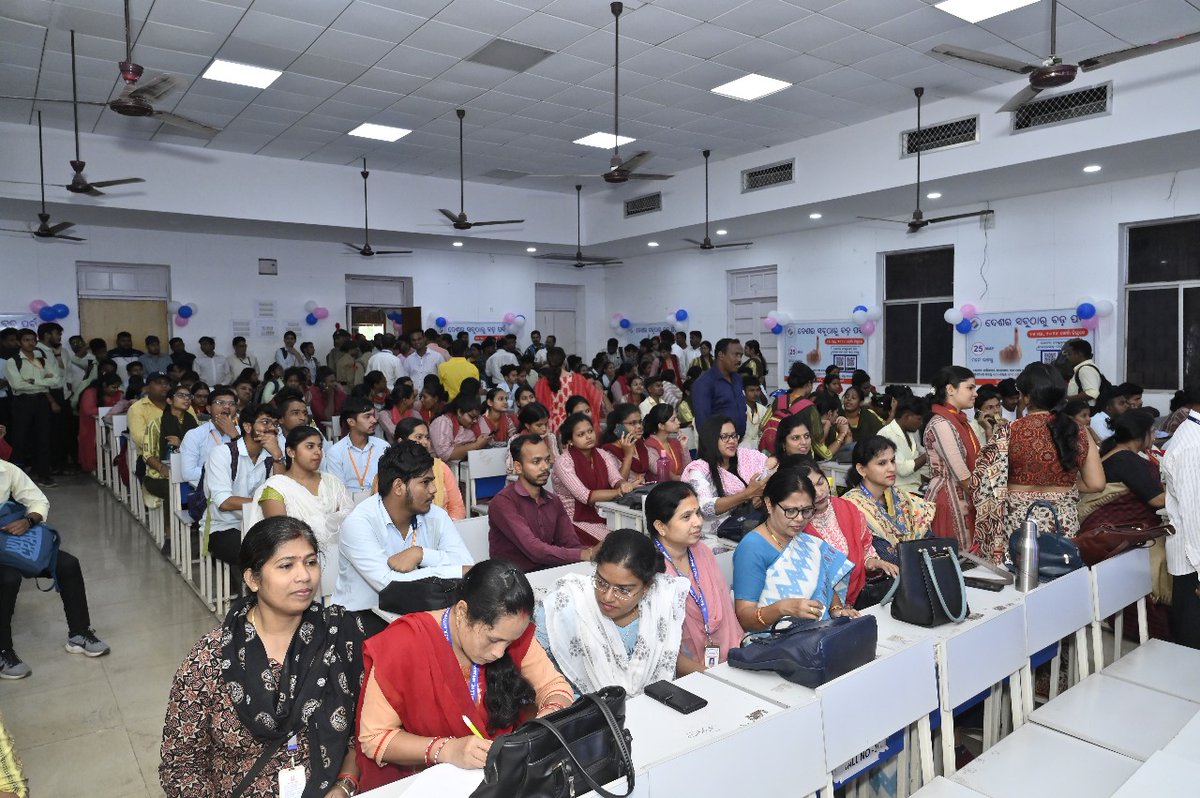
(930, 589)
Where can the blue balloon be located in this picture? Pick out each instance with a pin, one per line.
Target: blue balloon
(626, 324)
(310, 319)
(1085, 310)
(47, 313)
(777, 329)
(61, 311)
(440, 321)
(863, 308)
(185, 312)
(963, 326)
(681, 315)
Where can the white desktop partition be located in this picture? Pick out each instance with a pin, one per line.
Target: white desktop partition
(1053, 611)
(1117, 583)
(1162, 666)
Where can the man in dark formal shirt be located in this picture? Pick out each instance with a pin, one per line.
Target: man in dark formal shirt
(526, 525)
(718, 391)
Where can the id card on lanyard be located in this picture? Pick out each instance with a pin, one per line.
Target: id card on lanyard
(712, 653)
(361, 477)
(291, 779)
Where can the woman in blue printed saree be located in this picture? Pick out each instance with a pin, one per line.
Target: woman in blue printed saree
(779, 570)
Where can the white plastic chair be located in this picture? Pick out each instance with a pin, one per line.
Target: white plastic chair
(487, 472)
(474, 532)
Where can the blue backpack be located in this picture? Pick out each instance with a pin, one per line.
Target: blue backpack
(33, 554)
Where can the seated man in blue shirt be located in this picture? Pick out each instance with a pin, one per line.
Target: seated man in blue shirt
(355, 458)
(222, 427)
(396, 535)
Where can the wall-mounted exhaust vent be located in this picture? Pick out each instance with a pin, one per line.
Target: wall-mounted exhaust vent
(1066, 107)
(954, 133)
(648, 203)
(770, 175)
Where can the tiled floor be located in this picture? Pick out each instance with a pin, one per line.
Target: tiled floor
(92, 726)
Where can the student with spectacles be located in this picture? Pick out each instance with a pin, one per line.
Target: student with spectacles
(724, 475)
(622, 625)
(779, 570)
(221, 427)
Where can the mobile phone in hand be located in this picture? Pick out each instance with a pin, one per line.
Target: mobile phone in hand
(675, 697)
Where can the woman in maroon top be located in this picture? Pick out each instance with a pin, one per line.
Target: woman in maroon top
(623, 440)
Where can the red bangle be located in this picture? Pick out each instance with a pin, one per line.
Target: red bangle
(438, 752)
(428, 748)
(554, 704)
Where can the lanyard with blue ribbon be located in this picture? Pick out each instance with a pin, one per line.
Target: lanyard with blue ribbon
(473, 684)
(694, 589)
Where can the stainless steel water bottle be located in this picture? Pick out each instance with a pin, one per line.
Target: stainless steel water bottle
(1026, 559)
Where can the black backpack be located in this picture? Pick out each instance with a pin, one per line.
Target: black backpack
(197, 502)
(1106, 389)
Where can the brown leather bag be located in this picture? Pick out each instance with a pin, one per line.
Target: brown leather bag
(1098, 544)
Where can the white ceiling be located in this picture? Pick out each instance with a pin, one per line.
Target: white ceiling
(401, 62)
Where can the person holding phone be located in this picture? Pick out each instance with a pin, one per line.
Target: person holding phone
(585, 475)
(724, 475)
(623, 440)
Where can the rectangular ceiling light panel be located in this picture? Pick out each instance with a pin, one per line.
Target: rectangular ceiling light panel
(750, 87)
(379, 132)
(974, 11)
(605, 141)
(241, 74)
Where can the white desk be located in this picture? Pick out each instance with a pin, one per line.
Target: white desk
(1163, 774)
(541, 581)
(1117, 583)
(1118, 715)
(942, 787)
(1161, 666)
(764, 684)
(1036, 762)
(618, 516)
(1187, 743)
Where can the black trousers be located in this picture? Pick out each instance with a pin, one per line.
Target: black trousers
(226, 545)
(64, 433)
(1185, 611)
(30, 432)
(73, 594)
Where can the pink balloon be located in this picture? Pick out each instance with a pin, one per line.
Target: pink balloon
(968, 310)
(37, 305)
(180, 321)
(509, 317)
(1090, 324)
(321, 313)
(867, 327)
(769, 322)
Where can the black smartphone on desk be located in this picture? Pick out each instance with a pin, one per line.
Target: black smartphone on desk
(675, 697)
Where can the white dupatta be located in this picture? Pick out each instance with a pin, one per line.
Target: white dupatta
(323, 512)
(588, 648)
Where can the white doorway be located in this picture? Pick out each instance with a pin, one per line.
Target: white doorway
(556, 313)
(752, 292)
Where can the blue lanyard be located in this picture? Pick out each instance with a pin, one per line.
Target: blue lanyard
(694, 589)
(473, 685)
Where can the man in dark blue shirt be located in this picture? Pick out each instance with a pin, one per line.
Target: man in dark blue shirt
(718, 391)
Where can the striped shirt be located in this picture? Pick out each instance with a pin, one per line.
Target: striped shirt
(1181, 475)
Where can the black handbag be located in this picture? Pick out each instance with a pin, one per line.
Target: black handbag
(809, 652)
(741, 520)
(876, 590)
(930, 589)
(566, 753)
(419, 595)
(1057, 554)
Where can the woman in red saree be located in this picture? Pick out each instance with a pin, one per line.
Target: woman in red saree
(585, 475)
(557, 385)
(103, 392)
(428, 671)
(953, 450)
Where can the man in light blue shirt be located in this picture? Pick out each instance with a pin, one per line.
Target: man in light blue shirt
(397, 535)
(153, 359)
(198, 442)
(355, 458)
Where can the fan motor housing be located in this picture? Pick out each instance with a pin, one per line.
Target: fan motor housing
(131, 106)
(1053, 76)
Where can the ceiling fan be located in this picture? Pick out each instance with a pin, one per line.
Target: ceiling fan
(459, 220)
(707, 242)
(45, 229)
(1052, 72)
(918, 219)
(578, 259)
(365, 249)
(79, 184)
(139, 101)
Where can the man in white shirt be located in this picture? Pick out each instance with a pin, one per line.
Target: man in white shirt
(422, 361)
(220, 429)
(241, 360)
(396, 535)
(1181, 476)
(287, 355)
(1115, 404)
(82, 368)
(695, 337)
(1086, 380)
(911, 467)
(679, 350)
(355, 458)
(386, 362)
(1010, 399)
(212, 368)
(506, 355)
(539, 357)
(308, 360)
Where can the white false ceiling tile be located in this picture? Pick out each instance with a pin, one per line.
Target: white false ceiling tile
(632, 108)
(314, 124)
(760, 17)
(585, 12)
(598, 46)
(242, 51)
(315, 12)
(547, 32)
(707, 75)
(1081, 39)
(759, 56)
(172, 135)
(846, 112)
(305, 84)
(394, 118)
(894, 62)
(944, 81)
(797, 99)
(1145, 22)
(389, 80)
(34, 11)
(368, 19)
(593, 120)
(425, 108)
(917, 25)
(338, 153)
(549, 112)
(496, 136)
(863, 14)
(630, 81)
(501, 101)
(58, 84)
(705, 10)
(88, 46)
(840, 81)
(582, 98)
(422, 138)
(520, 124)
(187, 40)
(883, 96)
(667, 92)
(254, 127)
(371, 98)
(659, 62)
(349, 47)
(448, 91)
(30, 57)
(761, 115)
(811, 32)
(98, 23)
(295, 150)
(819, 126)
(568, 68)
(21, 33)
(654, 25)
(449, 40)
(669, 117)
(534, 87)
(327, 68)
(422, 8)
(289, 100)
(481, 76)
(1027, 21)
(194, 104)
(55, 61)
(195, 14)
(852, 49)
(273, 31)
(705, 103)
(706, 41)
(414, 61)
(276, 116)
(350, 113)
(497, 18)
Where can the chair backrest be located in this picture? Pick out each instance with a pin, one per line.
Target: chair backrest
(101, 412)
(120, 424)
(1055, 609)
(488, 470)
(1120, 581)
(474, 532)
(176, 465)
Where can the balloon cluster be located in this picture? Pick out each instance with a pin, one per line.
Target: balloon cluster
(315, 313)
(513, 322)
(1090, 311)
(437, 320)
(182, 312)
(394, 317)
(48, 312)
(866, 316)
(775, 319)
(619, 322)
(961, 318)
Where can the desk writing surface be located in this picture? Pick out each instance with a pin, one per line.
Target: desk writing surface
(1163, 774)
(1036, 762)
(1186, 744)
(1118, 715)
(618, 516)
(764, 684)
(541, 581)
(1162, 666)
(942, 787)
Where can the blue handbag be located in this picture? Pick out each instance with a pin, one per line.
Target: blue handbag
(810, 652)
(1057, 554)
(33, 554)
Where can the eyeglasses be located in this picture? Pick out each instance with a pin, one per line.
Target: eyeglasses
(187, 396)
(791, 512)
(224, 403)
(602, 587)
(730, 436)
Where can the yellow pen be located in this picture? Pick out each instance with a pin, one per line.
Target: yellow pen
(471, 726)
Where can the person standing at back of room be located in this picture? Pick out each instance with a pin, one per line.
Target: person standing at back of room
(456, 369)
(719, 391)
(288, 355)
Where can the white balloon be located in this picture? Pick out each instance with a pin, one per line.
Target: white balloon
(953, 316)
(875, 313)
(1104, 308)
(1083, 299)
(310, 306)
(859, 316)
(173, 307)
(783, 317)
(775, 313)
(192, 305)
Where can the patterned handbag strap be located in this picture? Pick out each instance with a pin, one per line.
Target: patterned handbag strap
(618, 736)
(962, 588)
(1053, 513)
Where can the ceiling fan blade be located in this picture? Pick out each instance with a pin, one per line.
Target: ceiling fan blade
(451, 216)
(694, 241)
(48, 100)
(189, 125)
(572, 258)
(937, 219)
(1020, 98)
(1117, 57)
(70, 238)
(880, 219)
(501, 221)
(92, 191)
(631, 164)
(648, 176)
(987, 59)
(61, 226)
(734, 244)
(121, 182)
(154, 89)
(393, 252)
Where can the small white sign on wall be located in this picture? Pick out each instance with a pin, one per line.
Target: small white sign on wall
(264, 308)
(266, 328)
(239, 327)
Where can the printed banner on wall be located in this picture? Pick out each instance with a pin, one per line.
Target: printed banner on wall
(1001, 344)
(477, 330)
(20, 321)
(825, 343)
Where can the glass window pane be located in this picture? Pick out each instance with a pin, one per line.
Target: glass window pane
(1191, 336)
(1164, 252)
(900, 343)
(937, 339)
(1152, 339)
(923, 273)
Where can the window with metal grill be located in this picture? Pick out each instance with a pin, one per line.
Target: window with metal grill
(644, 204)
(1162, 304)
(1063, 107)
(937, 137)
(918, 290)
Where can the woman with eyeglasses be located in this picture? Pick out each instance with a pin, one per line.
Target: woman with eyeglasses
(779, 570)
(585, 475)
(623, 440)
(724, 475)
(200, 391)
(623, 625)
